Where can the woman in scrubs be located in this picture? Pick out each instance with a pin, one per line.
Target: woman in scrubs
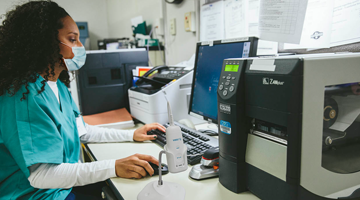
(40, 126)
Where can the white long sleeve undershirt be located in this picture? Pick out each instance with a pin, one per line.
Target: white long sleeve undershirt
(100, 134)
(68, 175)
(45, 175)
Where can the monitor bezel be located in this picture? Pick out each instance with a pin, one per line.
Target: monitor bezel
(252, 53)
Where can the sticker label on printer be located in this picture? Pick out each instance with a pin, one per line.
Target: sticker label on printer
(225, 127)
(224, 108)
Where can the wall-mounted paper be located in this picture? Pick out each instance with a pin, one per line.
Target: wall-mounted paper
(236, 23)
(212, 21)
(253, 17)
(316, 31)
(346, 22)
(282, 20)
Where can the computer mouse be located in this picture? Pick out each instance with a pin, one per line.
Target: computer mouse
(164, 169)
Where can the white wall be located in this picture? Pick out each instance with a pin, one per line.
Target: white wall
(181, 46)
(120, 13)
(6, 5)
(92, 11)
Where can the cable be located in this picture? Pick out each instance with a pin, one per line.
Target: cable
(148, 46)
(170, 116)
(162, 57)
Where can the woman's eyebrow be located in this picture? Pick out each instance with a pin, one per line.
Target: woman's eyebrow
(73, 33)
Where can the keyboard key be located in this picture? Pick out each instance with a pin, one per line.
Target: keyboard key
(194, 160)
(192, 157)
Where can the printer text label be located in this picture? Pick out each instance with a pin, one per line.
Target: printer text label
(270, 81)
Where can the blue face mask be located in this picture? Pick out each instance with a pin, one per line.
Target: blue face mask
(78, 60)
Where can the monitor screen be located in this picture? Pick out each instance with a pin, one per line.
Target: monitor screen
(208, 65)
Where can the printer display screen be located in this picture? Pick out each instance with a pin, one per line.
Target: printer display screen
(207, 70)
(231, 68)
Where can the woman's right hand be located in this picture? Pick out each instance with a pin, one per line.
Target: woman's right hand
(134, 166)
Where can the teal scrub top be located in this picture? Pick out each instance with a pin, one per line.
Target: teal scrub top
(36, 130)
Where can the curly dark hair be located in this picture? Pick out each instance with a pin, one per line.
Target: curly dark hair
(29, 45)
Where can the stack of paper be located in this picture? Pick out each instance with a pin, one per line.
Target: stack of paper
(119, 118)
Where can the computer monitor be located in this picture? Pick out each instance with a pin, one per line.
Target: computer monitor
(208, 65)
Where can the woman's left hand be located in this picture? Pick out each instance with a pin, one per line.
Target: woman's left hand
(140, 134)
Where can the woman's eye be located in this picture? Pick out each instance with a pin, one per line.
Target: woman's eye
(72, 40)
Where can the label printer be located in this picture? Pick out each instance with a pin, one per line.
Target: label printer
(289, 126)
(148, 99)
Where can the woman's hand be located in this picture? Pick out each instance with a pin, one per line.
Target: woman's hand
(135, 166)
(140, 134)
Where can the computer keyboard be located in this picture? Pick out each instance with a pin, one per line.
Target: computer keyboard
(196, 142)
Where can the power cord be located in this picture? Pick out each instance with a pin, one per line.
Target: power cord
(147, 46)
(156, 37)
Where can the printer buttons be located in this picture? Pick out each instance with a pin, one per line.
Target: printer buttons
(227, 83)
(231, 89)
(225, 92)
(221, 87)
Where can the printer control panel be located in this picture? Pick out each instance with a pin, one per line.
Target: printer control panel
(233, 124)
(229, 78)
(170, 74)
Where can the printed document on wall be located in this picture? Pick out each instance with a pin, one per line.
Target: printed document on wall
(317, 25)
(236, 24)
(212, 21)
(253, 17)
(346, 22)
(282, 20)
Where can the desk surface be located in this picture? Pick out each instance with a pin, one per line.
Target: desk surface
(129, 188)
